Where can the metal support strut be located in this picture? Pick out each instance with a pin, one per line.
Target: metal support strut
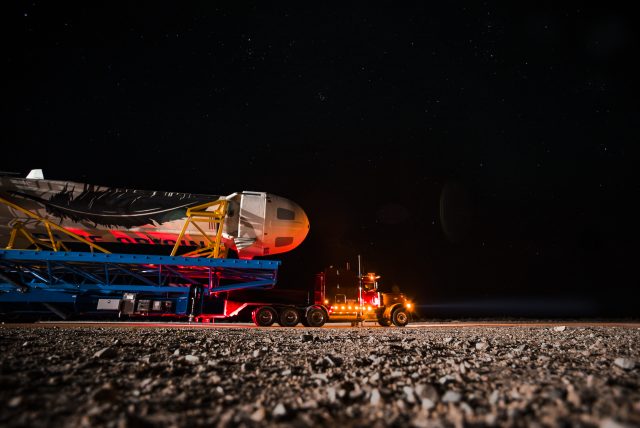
(20, 230)
(214, 247)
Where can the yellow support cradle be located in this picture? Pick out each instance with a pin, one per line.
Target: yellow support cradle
(215, 220)
(20, 230)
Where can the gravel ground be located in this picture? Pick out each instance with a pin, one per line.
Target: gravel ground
(373, 377)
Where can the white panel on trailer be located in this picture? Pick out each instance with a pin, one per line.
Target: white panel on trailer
(108, 304)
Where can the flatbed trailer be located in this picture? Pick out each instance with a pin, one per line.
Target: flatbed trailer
(82, 284)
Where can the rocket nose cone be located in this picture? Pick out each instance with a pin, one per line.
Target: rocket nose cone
(289, 225)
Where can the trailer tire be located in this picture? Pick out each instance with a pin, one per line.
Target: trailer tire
(315, 317)
(400, 317)
(384, 322)
(264, 316)
(289, 317)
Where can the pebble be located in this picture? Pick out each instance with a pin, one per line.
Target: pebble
(481, 346)
(612, 423)
(15, 401)
(409, 394)
(375, 397)
(279, 410)
(331, 394)
(625, 363)
(444, 379)
(493, 398)
(106, 353)
(192, 359)
(451, 397)
(258, 415)
(427, 404)
(427, 391)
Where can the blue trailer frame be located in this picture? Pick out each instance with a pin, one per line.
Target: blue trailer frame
(44, 279)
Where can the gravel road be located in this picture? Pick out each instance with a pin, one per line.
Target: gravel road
(373, 377)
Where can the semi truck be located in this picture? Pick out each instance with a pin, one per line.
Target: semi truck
(338, 296)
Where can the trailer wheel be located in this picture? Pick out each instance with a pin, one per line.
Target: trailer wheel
(316, 317)
(264, 316)
(400, 317)
(289, 317)
(384, 322)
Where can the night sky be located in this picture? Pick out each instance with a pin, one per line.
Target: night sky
(528, 118)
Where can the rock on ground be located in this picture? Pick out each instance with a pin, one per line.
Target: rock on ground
(370, 377)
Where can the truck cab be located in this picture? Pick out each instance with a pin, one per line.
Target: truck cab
(347, 296)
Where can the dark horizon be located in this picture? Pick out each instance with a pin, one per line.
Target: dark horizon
(526, 120)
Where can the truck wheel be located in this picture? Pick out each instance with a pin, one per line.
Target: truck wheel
(384, 322)
(263, 316)
(400, 317)
(289, 317)
(316, 317)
